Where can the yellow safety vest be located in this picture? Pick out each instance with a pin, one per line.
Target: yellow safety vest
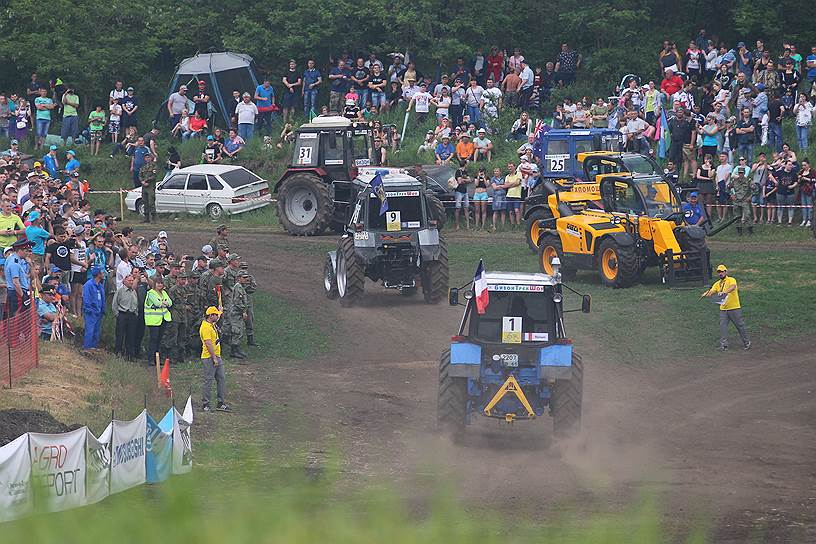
(153, 312)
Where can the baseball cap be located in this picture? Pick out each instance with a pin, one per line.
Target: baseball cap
(202, 82)
(481, 131)
(33, 216)
(131, 89)
(79, 229)
(53, 148)
(233, 257)
(14, 142)
(721, 268)
(71, 152)
(55, 268)
(760, 86)
(212, 310)
(210, 138)
(162, 234)
(206, 249)
(37, 163)
(693, 194)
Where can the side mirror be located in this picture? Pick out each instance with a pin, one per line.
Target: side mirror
(453, 296)
(586, 303)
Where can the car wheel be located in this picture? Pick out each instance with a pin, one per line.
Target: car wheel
(215, 211)
(140, 207)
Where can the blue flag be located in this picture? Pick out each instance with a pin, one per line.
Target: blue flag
(378, 189)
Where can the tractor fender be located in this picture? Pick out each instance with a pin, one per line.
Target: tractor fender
(319, 172)
(534, 204)
(621, 238)
(694, 231)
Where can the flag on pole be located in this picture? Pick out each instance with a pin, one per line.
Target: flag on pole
(662, 133)
(378, 189)
(480, 288)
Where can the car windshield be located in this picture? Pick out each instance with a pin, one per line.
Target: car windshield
(405, 210)
(638, 164)
(504, 308)
(239, 177)
(660, 199)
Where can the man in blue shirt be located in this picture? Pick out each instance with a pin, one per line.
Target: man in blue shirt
(72, 164)
(311, 82)
(265, 100)
(444, 151)
(17, 277)
(693, 210)
(810, 66)
(137, 160)
(340, 77)
(51, 162)
(47, 311)
(37, 235)
(93, 307)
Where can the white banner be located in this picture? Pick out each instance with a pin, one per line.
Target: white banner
(58, 469)
(16, 497)
(182, 442)
(128, 457)
(97, 458)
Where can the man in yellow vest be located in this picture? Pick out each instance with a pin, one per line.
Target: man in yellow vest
(726, 292)
(211, 359)
(156, 314)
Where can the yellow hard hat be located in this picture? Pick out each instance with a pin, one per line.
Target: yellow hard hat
(212, 310)
(721, 268)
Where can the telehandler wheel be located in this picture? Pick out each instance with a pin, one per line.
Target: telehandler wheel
(305, 205)
(532, 228)
(330, 279)
(549, 247)
(350, 274)
(452, 399)
(617, 264)
(435, 275)
(566, 399)
(436, 210)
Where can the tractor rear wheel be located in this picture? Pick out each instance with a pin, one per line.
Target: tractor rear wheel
(617, 264)
(436, 210)
(549, 247)
(350, 273)
(566, 399)
(435, 277)
(533, 229)
(305, 205)
(452, 399)
(330, 279)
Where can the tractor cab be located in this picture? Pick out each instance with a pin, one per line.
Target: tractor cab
(558, 149)
(335, 144)
(640, 195)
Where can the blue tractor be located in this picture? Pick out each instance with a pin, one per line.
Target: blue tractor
(511, 358)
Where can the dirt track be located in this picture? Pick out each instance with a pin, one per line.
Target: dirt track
(732, 441)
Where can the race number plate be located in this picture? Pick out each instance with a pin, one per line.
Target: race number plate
(511, 330)
(392, 221)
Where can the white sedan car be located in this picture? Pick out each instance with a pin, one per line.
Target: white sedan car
(214, 189)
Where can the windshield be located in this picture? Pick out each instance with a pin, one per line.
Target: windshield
(239, 177)
(611, 142)
(404, 212)
(359, 148)
(513, 311)
(659, 197)
(640, 165)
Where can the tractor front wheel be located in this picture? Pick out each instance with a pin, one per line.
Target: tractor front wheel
(617, 264)
(565, 402)
(549, 247)
(452, 399)
(305, 205)
(350, 274)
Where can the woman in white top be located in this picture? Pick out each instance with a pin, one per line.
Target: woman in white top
(803, 110)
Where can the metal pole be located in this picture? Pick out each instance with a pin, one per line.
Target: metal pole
(8, 343)
(404, 125)
(121, 205)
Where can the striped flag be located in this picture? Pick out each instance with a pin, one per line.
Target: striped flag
(662, 134)
(480, 288)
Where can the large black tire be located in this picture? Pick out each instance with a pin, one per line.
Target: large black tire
(566, 399)
(330, 279)
(436, 210)
(452, 398)
(618, 264)
(435, 276)
(532, 229)
(305, 205)
(549, 246)
(350, 273)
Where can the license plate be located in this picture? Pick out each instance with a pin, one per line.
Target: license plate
(509, 359)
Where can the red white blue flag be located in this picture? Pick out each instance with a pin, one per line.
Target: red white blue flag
(480, 288)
